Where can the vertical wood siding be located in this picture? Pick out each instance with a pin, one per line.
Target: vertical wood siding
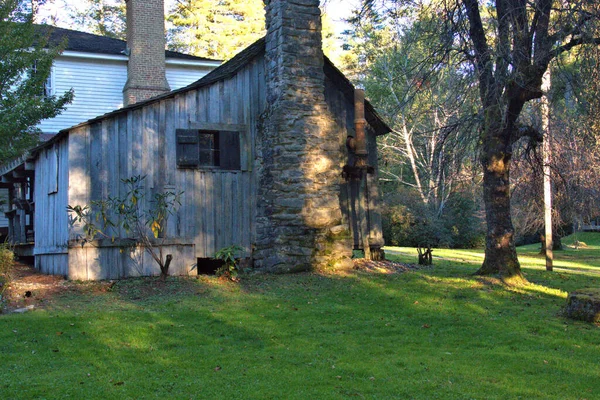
(342, 108)
(217, 207)
(51, 219)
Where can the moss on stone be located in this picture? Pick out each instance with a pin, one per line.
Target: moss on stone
(584, 305)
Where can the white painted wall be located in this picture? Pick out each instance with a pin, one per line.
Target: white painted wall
(98, 86)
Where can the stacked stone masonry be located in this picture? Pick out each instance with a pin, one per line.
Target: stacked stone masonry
(300, 218)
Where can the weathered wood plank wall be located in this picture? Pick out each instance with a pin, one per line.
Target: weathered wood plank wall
(217, 207)
(342, 106)
(50, 197)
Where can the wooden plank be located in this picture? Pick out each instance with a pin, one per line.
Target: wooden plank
(121, 153)
(129, 146)
(77, 264)
(225, 103)
(199, 237)
(237, 193)
(219, 211)
(105, 161)
(217, 126)
(239, 98)
(210, 214)
(191, 209)
(261, 82)
(226, 221)
(214, 104)
(248, 210)
(112, 156)
(203, 106)
(93, 262)
(63, 194)
(137, 143)
(96, 161)
(148, 149)
(170, 142)
(191, 106)
(161, 165)
(234, 105)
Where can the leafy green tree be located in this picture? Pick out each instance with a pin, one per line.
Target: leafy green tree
(215, 28)
(509, 46)
(25, 65)
(220, 29)
(431, 107)
(101, 17)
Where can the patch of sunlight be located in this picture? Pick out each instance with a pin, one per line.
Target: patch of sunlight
(462, 255)
(567, 266)
(533, 288)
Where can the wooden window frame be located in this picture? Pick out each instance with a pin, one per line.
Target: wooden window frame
(227, 136)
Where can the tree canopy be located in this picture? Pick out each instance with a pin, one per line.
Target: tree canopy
(101, 17)
(506, 46)
(25, 65)
(214, 28)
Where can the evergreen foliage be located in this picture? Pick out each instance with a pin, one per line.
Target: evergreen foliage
(214, 28)
(101, 17)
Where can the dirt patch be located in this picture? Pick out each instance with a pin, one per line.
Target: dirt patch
(30, 289)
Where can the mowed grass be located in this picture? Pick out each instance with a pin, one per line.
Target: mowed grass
(437, 333)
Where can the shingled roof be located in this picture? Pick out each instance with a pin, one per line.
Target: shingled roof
(90, 43)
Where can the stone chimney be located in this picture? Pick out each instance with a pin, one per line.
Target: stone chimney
(146, 42)
(299, 225)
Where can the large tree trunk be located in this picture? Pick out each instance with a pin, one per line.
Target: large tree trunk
(500, 252)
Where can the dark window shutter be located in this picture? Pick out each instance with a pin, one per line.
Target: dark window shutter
(229, 146)
(188, 151)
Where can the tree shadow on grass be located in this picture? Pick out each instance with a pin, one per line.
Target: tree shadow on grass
(413, 335)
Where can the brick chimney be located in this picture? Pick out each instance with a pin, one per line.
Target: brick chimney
(146, 42)
(299, 225)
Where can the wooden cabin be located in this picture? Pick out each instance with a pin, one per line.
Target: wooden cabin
(159, 138)
(274, 151)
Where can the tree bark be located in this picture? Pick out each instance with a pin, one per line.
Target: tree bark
(500, 252)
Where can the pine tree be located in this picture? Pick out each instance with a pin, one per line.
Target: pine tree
(215, 28)
(101, 17)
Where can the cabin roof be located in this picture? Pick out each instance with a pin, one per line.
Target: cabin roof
(228, 70)
(89, 43)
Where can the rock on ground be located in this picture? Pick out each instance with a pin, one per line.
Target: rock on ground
(584, 305)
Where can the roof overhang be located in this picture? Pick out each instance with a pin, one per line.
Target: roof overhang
(124, 58)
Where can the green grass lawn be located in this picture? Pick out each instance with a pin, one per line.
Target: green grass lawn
(437, 333)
